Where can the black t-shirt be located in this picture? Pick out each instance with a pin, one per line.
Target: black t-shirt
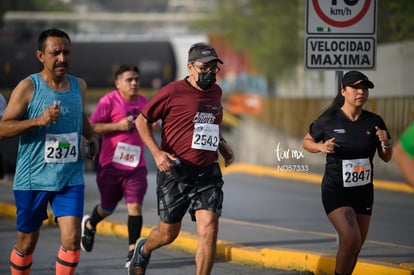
(356, 140)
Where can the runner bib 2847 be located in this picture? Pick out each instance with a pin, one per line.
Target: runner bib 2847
(356, 172)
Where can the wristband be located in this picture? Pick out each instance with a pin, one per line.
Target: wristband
(386, 146)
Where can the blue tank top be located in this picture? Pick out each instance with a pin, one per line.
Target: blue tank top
(49, 156)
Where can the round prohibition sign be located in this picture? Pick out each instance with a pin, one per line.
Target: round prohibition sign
(341, 24)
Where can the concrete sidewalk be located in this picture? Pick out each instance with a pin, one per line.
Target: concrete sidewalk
(307, 253)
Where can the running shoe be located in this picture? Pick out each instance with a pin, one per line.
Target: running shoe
(138, 263)
(88, 236)
(129, 257)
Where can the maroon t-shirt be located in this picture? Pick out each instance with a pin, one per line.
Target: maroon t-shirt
(179, 106)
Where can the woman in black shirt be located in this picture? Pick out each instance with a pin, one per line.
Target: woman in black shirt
(349, 136)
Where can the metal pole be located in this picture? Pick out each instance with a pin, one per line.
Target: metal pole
(338, 78)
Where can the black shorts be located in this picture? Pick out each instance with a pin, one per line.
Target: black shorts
(202, 189)
(360, 198)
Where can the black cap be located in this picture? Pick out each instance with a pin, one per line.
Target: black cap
(355, 78)
(203, 52)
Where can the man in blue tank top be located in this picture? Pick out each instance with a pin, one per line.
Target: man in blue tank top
(46, 111)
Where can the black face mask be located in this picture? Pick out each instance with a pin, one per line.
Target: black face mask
(206, 80)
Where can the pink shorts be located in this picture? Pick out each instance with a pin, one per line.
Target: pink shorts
(115, 184)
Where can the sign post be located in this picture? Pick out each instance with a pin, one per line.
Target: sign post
(340, 34)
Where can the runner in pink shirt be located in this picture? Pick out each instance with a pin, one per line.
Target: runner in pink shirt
(121, 171)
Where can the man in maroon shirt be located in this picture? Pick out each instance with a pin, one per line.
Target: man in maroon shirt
(189, 177)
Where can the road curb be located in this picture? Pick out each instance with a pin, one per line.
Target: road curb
(283, 259)
(314, 178)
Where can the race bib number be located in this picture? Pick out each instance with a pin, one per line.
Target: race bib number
(61, 148)
(205, 137)
(127, 154)
(356, 172)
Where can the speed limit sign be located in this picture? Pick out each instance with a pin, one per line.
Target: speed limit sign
(346, 17)
(340, 34)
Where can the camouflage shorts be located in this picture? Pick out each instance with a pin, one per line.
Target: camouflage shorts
(176, 197)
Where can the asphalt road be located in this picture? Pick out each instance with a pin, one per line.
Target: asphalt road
(109, 257)
(260, 213)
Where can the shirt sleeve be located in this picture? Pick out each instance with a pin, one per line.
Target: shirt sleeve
(316, 130)
(101, 113)
(156, 107)
(407, 140)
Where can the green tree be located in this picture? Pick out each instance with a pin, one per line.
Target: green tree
(270, 31)
(395, 20)
(31, 5)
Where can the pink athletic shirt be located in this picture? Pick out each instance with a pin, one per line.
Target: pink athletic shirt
(124, 149)
(182, 109)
